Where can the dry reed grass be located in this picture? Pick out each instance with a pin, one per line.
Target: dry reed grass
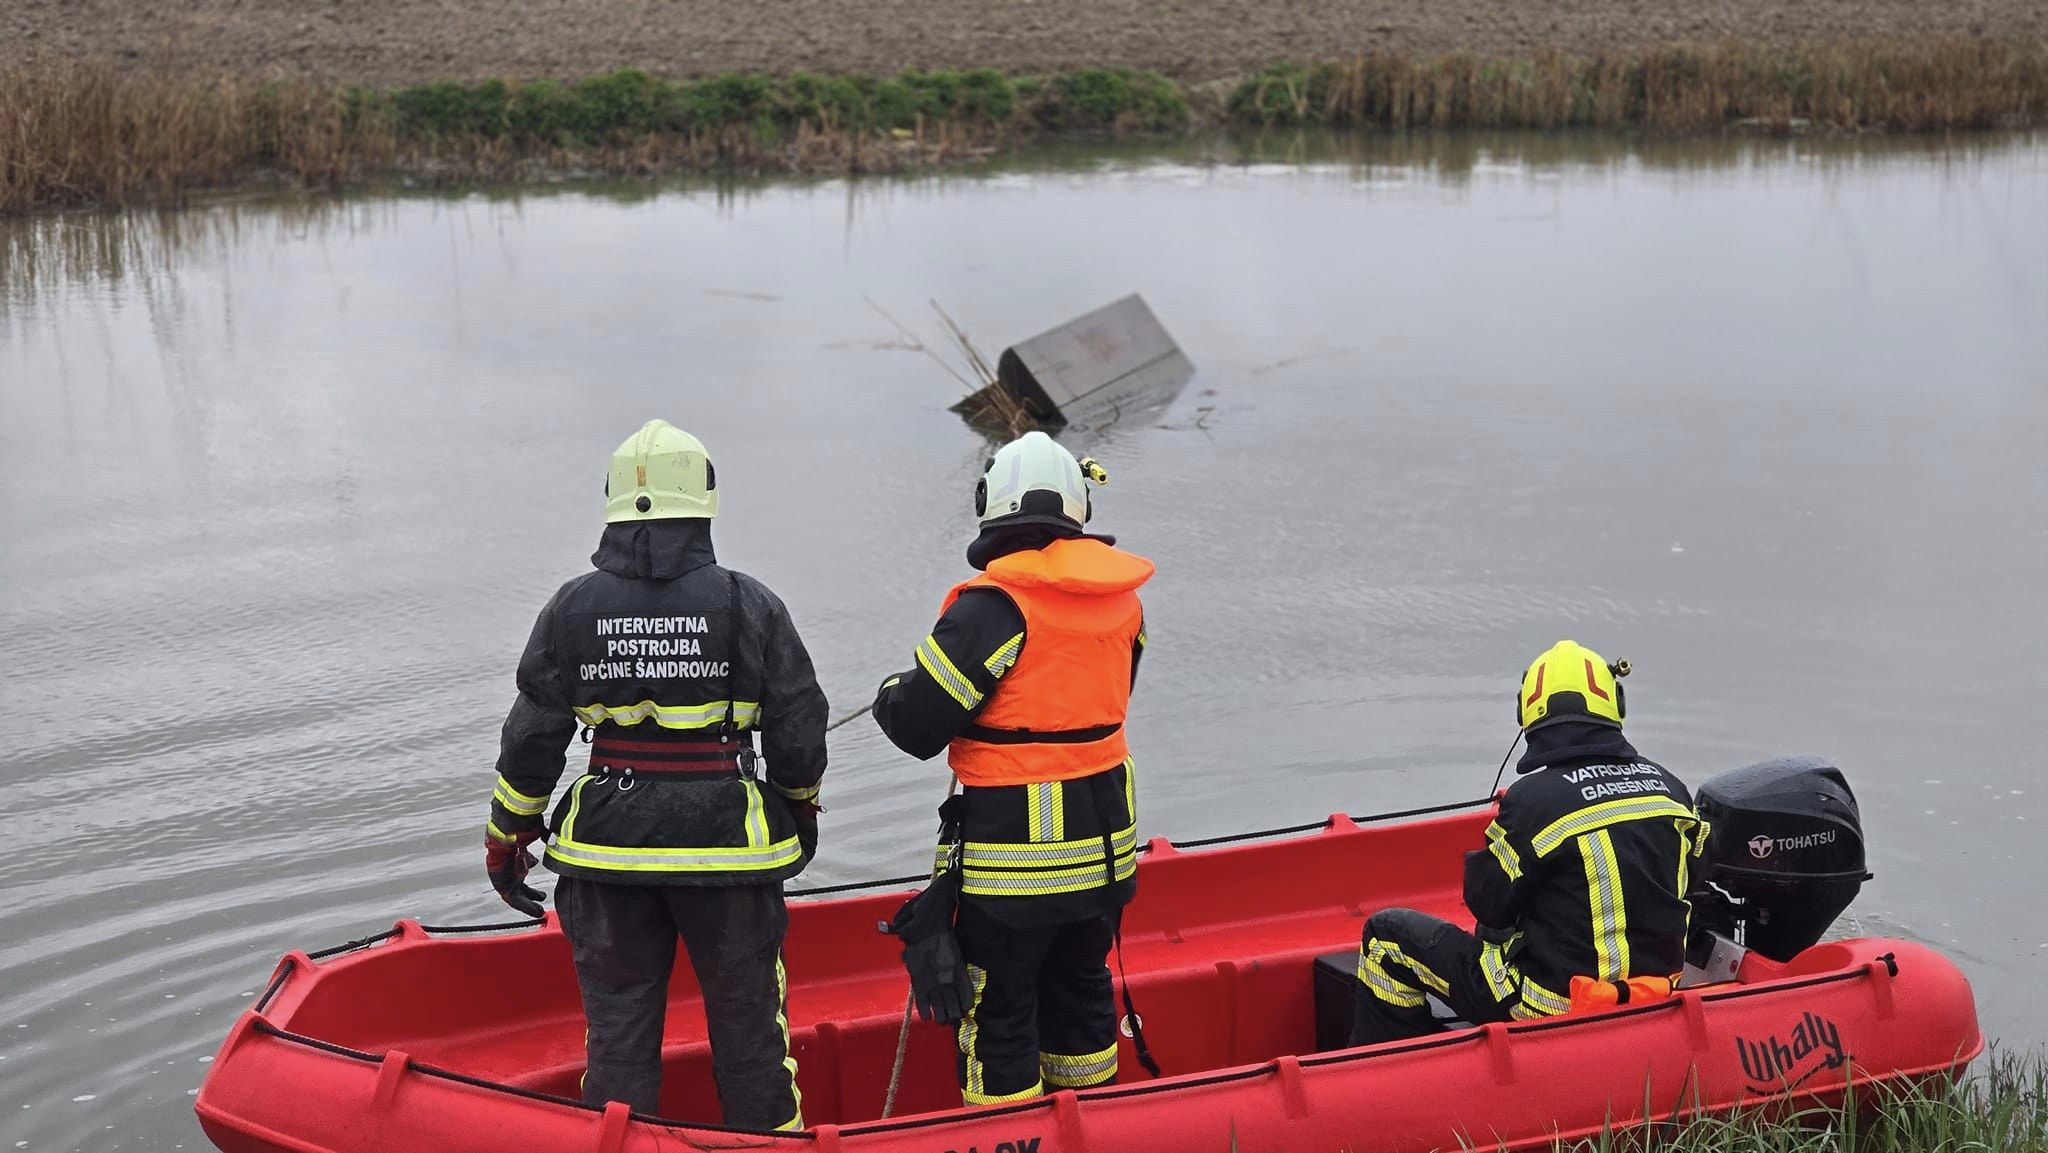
(89, 135)
(1894, 86)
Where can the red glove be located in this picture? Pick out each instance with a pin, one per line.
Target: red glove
(507, 863)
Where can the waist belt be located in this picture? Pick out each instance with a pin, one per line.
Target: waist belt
(672, 757)
(1087, 736)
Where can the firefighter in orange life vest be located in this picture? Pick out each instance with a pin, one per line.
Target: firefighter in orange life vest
(671, 663)
(1580, 892)
(1024, 682)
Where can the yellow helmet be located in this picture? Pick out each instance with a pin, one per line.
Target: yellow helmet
(660, 473)
(1571, 682)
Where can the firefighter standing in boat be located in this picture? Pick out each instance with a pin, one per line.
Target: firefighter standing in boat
(671, 663)
(1580, 892)
(1024, 682)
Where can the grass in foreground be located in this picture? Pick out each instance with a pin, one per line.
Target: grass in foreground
(2002, 1107)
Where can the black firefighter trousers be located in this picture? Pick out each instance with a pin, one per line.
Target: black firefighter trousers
(1044, 1007)
(623, 939)
(1406, 954)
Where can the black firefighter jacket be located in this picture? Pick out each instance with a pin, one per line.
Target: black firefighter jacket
(1588, 862)
(662, 649)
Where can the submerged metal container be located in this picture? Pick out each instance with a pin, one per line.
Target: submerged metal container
(1092, 369)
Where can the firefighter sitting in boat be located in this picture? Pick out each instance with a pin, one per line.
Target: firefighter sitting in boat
(1024, 682)
(673, 663)
(1581, 886)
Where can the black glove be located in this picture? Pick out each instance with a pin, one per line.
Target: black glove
(938, 974)
(805, 815)
(507, 862)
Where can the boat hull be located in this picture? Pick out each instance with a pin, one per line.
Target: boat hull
(472, 1042)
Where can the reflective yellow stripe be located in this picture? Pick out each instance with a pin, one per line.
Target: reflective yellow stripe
(1141, 636)
(1052, 854)
(1131, 794)
(575, 807)
(1380, 951)
(1047, 812)
(1079, 1071)
(796, 1121)
(497, 834)
(757, 816)
(1543, 1001)
(1592, 817)
(619, 859)
(970, 1032)
(1385, 985)
(704, 716)
(972, 1097)
(517, 803)
(1501, 977)
(1046, 883)
(999, 662)
(1702, 829)
(935, 662)
(1497, 844)
(804, 794)
(1603, 893)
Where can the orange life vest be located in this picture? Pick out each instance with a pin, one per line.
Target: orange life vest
(1058, 712)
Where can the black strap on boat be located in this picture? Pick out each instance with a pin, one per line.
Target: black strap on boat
(1132, 1020)
(1131, 1017)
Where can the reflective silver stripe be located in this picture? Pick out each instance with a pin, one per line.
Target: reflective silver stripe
(1610, 917)
(1047, 812)
(1043, 883)
(517, 803)
(1500, 977)
(1078, 1072)
(999, 662)
(1051, 855)
(1383, 984)
(1497, 844)
(757, 816)
(1586, 820)
(1545, 1002)
(676, 860)
(1383, 951)
(744, 714)
(934, 661)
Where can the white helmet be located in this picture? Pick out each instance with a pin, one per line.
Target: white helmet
(1032, 480)
(660, 473)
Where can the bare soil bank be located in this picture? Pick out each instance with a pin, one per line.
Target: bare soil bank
(1196, 41)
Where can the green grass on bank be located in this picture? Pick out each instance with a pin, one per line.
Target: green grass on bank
(2000, 1107)
(631, 104)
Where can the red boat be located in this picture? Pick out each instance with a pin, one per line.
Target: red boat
(458, 1040)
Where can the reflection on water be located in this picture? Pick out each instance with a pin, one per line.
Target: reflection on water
(283, 482)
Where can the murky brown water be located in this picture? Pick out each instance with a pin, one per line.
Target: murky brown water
(281, 488)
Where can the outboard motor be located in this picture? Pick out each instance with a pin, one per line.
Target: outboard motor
(1784, 858)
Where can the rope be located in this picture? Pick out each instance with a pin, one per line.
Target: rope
(909, 1001)
(851, 717)
(1503, 771)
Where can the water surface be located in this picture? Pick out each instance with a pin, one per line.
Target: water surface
(282, 486)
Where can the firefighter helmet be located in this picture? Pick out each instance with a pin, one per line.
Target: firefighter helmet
(1571, 682)
(660, 473)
